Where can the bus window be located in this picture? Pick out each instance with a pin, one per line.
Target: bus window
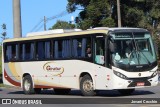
(43, 50)
(40, 51)
(99, 50)
(81, 47)
(27, 51)
(66, 48)
(8, 51)
(47, 50)
(62, 49)
(11, 53)
(56, 49)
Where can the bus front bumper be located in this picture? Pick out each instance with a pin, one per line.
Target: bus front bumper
(119, 83)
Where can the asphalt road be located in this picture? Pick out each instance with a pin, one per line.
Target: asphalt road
(14, 92)
(152, 92)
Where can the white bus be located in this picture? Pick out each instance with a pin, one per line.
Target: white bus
(120, 59)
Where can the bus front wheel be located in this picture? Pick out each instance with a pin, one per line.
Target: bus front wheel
(86, 86)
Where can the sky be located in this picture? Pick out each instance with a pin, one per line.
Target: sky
(32, 12)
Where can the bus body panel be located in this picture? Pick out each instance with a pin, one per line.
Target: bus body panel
(103, 78)
(68, 78)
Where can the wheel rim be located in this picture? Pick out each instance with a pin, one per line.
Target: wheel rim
(87, 86)
(27, 85)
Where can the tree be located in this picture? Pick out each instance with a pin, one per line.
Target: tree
(62, 25)
(94, 13)
(4, 34)
(135, 13)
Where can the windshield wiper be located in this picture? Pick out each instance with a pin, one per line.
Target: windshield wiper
(136, 48)
(145, 57)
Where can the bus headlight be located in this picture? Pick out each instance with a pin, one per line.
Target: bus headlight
(120, 75)
(154, 74)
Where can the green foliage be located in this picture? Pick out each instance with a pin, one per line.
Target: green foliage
(74, 4)
(63, 25)
(4, 33)
(107, 22)
(94, 13)
(131, 17)
(134, 13)
(85, 24)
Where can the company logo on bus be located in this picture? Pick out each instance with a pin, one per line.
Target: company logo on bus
(54, 68)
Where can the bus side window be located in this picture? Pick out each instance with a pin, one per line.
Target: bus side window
(11, 52)
(8, 52)
(47, 49)
(40, 51)
(80, 47)
(57, 49)
(66, 49)
(62, 49)
(27, 51)
(99, 50)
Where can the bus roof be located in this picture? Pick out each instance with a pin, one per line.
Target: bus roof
(54, 35)
(63, 33)
(128, 29)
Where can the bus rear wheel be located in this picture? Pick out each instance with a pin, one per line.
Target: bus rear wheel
(28, 85)
(62, 91)
(86, 86)
(126, 91)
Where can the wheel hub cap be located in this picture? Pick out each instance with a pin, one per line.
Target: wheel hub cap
(27, 85)
(88, 86)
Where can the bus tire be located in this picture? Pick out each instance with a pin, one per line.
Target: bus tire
(28, 85)
(126, 91)
(86, 86)
(62, 91)
(37, 90)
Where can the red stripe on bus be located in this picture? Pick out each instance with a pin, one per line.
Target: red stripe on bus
(11, 80)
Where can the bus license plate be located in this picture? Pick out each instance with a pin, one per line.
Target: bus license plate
(140, 84)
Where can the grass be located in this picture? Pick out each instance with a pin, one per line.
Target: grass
(2, 85)
(6, 86)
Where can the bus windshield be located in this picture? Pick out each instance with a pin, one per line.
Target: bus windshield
(133, 49)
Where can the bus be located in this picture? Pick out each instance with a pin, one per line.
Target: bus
(121, 59)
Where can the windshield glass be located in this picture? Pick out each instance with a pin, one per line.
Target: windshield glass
(133, 49)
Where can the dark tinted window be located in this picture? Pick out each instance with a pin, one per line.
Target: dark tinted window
(62, 49)
(27, 51)
(43, 50)
(81, 47)
(11, 52)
